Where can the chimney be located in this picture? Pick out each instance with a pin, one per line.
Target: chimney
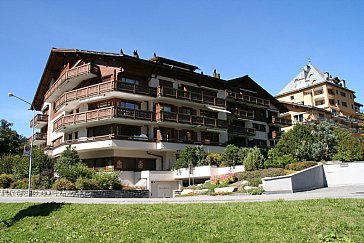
(216, 75)
(135, 54)
(327, 76)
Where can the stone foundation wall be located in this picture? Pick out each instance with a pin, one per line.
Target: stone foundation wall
(82, 194)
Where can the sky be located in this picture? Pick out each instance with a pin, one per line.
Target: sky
(268, 40)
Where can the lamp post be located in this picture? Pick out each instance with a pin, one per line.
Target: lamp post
(31, 146)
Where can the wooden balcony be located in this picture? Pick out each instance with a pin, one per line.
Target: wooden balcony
(102, 114)
(39, 121)
(242, 114)
(70, 79)
(278, 121)
(241, 131)
(190, 119)
(247, 99)
(39, 138)
(104, 87)
(190, 96)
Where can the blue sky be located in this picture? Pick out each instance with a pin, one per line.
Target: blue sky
(268, 40)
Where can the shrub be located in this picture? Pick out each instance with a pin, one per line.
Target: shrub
(231, 156)
(20, 166)
(301, 165)
(108, 181)
(86, 184)
(255, 181)
(271, 172)
(20, 184)
(278, 161)
(41, 182)
(255, 191)
(191, 155)
(63, 184)
(73, 172)
(214, 159)
(223, 179)
(254, 160)
(6, 180)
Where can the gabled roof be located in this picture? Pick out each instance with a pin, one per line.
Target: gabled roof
(309, 76)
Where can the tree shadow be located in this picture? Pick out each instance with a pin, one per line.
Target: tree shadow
(37, 210)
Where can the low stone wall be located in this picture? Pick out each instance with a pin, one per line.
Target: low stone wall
(81, 194)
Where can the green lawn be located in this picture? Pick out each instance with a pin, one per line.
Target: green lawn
(278, 221)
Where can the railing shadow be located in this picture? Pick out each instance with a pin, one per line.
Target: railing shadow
(37, 210)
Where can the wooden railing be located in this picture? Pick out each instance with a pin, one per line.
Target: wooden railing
(242, 114)
(190, 96)
(104, 113)
(282, 121)
(103, 88)
(241, 130)
(40, 136)
(38, 118)
(247, 98)
(190, 119)
(71, 73)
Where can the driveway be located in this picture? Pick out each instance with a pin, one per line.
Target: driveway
(330, 192)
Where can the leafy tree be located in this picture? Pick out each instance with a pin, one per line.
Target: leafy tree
(10, 141)
(213, 158)
(42, 163)
(278, 161)
(69, 166)
(232, 155)
(254, 160)
(349, 148)
(191, 155)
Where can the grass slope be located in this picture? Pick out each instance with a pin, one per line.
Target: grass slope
(277, 221)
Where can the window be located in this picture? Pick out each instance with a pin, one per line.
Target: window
(351, 96)
(76, 135)
(337, 91)
(330, 91)
(343, 103)
(318, 92)
(298, 118)
(334, 112)
(332, 102)
(352, 106)
(342, 93)
(130, 81)
(166, 108)
(129, 105)
(165, 83)
(319, 102)
(259, 127)
(338, 102)
(292, 97)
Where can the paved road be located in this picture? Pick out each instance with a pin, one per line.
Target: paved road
(337, 192)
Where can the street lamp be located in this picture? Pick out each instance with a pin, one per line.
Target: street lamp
(31, 146)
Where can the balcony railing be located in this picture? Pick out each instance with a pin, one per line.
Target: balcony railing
(241, 130)
(101, 114)
(103, 88)
(242, 114)
(281, 121)
(247, 99)
(40, 136)
(190, 119)
(39, 119)
(71, 73)
(190, 96)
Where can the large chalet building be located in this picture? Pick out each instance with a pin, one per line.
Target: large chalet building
(129, 114)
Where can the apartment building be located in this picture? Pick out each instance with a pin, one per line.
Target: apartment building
(125, 113)
(314, 95)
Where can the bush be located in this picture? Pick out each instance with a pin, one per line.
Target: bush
(63, 184)
(278, 161)
(6, 180)
(86, 184)
(41, 182)
(231, 156)
(214, 159)
(73, 172)
(223, 179)
(254, 160)
(20, 166)
(255, 181)
(108, 181)
(271, 172)
(301, 165)
(255, 191)
(20, 184)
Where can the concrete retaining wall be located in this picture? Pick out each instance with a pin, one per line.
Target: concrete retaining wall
(344, 174)
(328, 175)
(81, 194)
